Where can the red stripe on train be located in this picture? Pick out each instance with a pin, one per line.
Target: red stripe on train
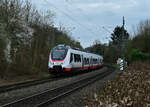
(57, 60)
(66, 69)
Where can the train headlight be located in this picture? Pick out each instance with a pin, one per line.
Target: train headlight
(51, 62)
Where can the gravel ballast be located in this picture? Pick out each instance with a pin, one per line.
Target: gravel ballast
(78, 98)
(17, 94)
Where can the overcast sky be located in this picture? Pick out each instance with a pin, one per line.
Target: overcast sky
(86, 18)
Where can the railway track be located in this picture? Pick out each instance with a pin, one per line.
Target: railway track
(25, 84)
(28, 84)
(46, 97)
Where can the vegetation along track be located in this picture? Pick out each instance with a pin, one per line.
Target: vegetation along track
(25, 84)
(45, 98)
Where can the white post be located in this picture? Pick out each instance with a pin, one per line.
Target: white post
(121, 65)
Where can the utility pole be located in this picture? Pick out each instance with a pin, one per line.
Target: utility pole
(123, 43)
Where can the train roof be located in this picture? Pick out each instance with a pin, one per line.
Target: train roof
(76, 49)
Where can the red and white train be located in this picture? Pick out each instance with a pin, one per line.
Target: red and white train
(64, 59)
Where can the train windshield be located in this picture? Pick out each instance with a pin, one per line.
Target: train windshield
(58, 53)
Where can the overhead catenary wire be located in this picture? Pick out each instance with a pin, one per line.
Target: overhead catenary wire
(71, 18)
(89, 19)
(85, 15)
(107, 30)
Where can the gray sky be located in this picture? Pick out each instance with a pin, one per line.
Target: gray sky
(86, 18)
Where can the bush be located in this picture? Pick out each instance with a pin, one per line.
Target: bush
(137, 55)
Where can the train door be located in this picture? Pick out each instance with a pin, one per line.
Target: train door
(72, 59)
(82, 61)
(91, 62)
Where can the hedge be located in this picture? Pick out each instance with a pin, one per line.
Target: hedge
(137, 55)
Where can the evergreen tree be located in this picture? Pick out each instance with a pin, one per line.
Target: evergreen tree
(117, 34)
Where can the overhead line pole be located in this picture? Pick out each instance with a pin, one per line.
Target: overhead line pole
(123, 48)
(123, 42)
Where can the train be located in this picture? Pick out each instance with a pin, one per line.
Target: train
(64, 59)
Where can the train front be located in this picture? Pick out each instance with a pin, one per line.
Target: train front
(58, 60)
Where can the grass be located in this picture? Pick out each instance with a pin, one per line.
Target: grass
(116, 66)
(22, 78)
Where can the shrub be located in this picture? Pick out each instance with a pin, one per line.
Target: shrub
(137, 55)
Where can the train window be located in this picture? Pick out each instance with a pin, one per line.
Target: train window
(71, 57)
(58, 53)
(101, 60)
(77, 58)
(91, 61)
(84, 60)
(96, 61)
(88, 61)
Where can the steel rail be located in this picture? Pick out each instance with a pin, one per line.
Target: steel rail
(25, 84)
(41, 99)
(46, 103)
(16, 86)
